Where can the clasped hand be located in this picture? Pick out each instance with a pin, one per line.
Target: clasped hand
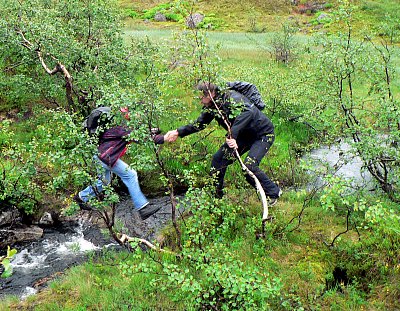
(171, 136)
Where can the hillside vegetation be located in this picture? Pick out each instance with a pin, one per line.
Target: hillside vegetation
(261, 16)
(324, 81)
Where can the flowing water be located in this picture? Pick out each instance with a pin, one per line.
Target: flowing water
(342, 162)
(58, 249)
(71, 243)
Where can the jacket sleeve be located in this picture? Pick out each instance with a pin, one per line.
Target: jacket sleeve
(241, 121)
(158, 139)
(202, 121)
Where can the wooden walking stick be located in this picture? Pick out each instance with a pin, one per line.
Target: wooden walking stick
(259, 188)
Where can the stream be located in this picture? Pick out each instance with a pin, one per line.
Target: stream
(345, 165)
(71, 243)
(58, 249)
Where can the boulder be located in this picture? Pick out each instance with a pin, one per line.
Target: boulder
(9, 216)
(46, 219)
(323, 17)
(18, 235)
(194, 19)
(159, 17)
(310, 7)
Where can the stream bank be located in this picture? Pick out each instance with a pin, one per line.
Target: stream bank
(72, 242)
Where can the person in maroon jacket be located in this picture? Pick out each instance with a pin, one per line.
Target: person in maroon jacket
(112, 146)
(250, 131)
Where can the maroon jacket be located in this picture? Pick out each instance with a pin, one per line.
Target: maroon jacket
(113, 144)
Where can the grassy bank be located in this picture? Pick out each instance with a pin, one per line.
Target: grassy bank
(298, 260)
(325, 251)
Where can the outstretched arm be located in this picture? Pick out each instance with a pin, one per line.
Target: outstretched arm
(202, 121)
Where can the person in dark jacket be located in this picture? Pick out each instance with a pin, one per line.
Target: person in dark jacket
(112, 146)
(250, 131)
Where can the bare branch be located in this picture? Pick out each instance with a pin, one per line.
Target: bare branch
(58, 68)
(347, 230)
(50, 72)
(125, 238)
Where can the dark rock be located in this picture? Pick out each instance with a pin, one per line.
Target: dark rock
(194, 19)
(19, 234)
(147, 229)
(159, 17)
(9, 216)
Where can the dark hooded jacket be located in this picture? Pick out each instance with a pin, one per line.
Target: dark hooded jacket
(250, 122)
(113, 144)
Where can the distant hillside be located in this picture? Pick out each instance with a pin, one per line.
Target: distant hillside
(257, 15)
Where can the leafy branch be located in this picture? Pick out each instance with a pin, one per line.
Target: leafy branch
(5, 262)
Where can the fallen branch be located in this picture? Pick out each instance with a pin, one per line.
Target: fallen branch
(125, 238)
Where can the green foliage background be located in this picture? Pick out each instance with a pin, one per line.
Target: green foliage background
(331, 79)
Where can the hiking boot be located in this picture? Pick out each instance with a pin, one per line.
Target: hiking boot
(272, 202)
(148, 210)
(82, 205)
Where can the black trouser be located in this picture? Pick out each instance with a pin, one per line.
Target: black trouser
(258, 148)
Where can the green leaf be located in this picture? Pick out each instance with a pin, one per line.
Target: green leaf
(11, 252)
(7, 273)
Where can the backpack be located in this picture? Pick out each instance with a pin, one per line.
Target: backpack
(248, 90)
(98, 118)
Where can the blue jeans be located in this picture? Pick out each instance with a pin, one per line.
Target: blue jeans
(127, 175)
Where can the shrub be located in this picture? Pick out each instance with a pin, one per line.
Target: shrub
(168, 9)
(131, 13)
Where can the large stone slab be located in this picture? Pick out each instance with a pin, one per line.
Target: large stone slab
(20, 234)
